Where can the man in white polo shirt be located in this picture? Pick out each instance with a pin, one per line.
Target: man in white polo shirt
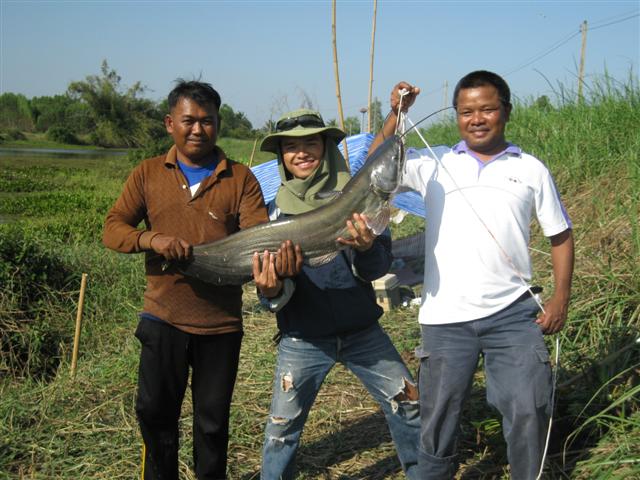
(479, 199)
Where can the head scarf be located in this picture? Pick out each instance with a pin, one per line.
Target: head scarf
(297, 195)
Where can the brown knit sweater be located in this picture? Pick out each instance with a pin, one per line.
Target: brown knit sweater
(157, 194)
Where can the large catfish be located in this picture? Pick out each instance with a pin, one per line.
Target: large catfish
(229, 261)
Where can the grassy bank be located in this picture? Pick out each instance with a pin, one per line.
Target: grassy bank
(53, 426)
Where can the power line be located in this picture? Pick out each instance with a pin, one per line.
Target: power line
(560, 43)
(613, 17)
(614, 22)
(551, 49)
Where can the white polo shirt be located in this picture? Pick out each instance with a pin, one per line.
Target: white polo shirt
(467, 276)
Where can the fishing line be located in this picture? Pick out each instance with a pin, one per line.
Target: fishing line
(518, 273)
(425, 118)
(486, 227)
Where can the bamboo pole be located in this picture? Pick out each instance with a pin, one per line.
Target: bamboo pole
(445, 96)
(255, 142)
(373, 41)
(335, 69)
(76, 338)
(583, 29)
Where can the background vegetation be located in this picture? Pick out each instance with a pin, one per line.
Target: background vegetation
(100, 111)
(53, 426)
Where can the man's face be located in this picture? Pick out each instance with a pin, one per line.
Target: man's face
(302, 155)
(482, 119)
(194, 129)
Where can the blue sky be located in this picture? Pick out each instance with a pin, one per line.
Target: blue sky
(263, 56)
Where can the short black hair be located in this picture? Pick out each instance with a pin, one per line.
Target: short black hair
(480, 78)
(200, 92)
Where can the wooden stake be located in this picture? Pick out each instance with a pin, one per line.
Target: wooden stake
(445, 97)
(335, 69)
(252, 152)
(76, 338)
(373, 40)
(583, 29)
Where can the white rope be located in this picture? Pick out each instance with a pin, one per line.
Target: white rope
(520, 276)
(553, 402)
(486, 227)
(401, 115)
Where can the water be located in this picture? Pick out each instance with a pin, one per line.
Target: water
(6, 151)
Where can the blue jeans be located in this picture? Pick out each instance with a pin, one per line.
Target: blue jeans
(518, 383)
(301, 368)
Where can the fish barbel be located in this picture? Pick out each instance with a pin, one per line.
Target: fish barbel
(229, 261)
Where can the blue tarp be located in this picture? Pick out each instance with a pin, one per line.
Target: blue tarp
(358, 145)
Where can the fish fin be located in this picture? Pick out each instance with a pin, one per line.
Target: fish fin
(321, 260)
(379, 222)
(329, 194)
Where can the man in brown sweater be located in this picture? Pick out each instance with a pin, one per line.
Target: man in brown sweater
(194, 194)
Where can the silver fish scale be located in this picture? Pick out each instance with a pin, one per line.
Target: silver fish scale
(229, 261)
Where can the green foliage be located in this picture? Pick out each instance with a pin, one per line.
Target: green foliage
(153, 149)
(61, 135)
(27, 266)
(15, 112)
(14, 134)
(13, 181)
(543, 103)
(377, 119)
(61, 111)
(121, 118)
(580, 140)
(29, 273)
(234, 124)
(352, 125)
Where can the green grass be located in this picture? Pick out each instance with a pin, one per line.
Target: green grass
(54, 426)
(240, 150)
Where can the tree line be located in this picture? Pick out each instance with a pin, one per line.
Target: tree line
(100, 111)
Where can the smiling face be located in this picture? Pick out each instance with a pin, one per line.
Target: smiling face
(302, 155)
(482, 119)
(194, 129)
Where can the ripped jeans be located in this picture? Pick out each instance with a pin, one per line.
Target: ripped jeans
(301, 368)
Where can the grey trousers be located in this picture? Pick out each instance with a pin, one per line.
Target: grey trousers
(518, 384)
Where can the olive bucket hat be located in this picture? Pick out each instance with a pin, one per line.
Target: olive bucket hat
(299, 123)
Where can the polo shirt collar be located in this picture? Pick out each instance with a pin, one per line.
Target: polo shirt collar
(172, 159)
(462, 147)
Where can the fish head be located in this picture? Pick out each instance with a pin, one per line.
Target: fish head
(387, 164)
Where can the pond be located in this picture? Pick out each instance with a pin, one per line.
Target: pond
(47, 155)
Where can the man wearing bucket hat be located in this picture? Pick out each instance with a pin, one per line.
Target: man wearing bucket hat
(327, 314)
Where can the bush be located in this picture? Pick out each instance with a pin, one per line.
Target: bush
(62, 135)
(150, 150)
(14, 134)
(32, 278)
